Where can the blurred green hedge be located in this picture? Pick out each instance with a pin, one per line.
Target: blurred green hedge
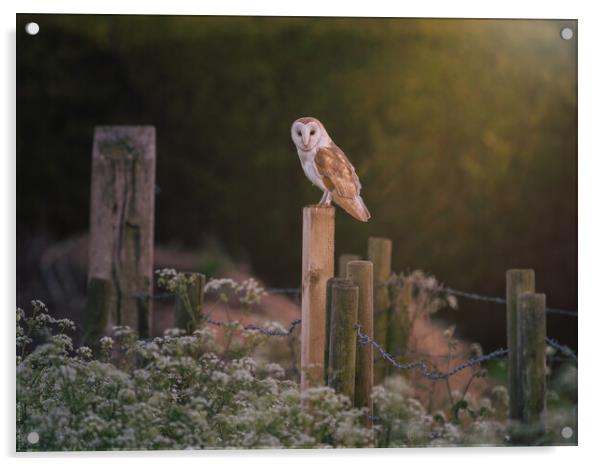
(463, 132)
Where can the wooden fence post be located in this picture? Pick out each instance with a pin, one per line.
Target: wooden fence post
(343, 260)
(342, 341)
(400, 321)
(122, 221)
(518, 281)
(379, 253)
(329, 284)
(98, 309)
(317, 268)
(190, 307)
(361, 274)
(532, 360)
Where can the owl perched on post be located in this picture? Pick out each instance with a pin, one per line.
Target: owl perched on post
(328, 167)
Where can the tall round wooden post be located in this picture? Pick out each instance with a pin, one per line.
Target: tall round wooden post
(317, 268)
(342, 338)
(532, 360)
(379, 253)
(361, 274)
(518, 281)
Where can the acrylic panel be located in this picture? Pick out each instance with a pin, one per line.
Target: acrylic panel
(285, 232)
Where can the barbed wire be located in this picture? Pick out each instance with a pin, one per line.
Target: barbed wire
(171, 295)
(365, 339)
(449, 290)
(562, 348)
(420, 365)
(253, 327)
(498, 300)
(293, 291)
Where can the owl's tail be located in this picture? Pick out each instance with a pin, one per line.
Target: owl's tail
(354, 206)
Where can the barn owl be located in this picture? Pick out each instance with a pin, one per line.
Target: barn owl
(328, 167)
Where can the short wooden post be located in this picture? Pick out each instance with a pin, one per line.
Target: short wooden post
(98, 309)
(122, 220)
(532, 360)
(379, 253)
(329, 284)
(518, 281)
(190, 307)
(343, 260)
(317, 268)
(342, 341)
(400, 321)
(361, 274)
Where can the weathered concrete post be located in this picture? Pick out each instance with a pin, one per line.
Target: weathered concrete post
(518, 281)
(317, 268)
(122, 221)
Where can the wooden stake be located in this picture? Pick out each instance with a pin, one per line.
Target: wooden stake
(343, 260)
(341, 365)
(329, 284)
(98, 309)
(532, 359)
(317, 268)
(361, 274)
(190, 308)
(379, 253)
(518, 281)
(400, 320)
(122, 220)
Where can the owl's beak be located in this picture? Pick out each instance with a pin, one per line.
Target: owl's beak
(305, 139)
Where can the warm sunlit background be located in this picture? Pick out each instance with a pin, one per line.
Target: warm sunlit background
(463, 132)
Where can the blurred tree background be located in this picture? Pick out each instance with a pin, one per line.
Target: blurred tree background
(463, 132)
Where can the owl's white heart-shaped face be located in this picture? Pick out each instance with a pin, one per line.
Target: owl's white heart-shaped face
(306, 133)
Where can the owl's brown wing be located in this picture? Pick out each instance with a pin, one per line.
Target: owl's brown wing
(337, 172)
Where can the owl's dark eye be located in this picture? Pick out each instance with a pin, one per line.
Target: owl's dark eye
(298, 133)
(312, 132)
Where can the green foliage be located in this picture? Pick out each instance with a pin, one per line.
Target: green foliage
(405, 422)
(463, 133)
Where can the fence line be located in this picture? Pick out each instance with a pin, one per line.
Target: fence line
(421, 365)
(364, 339)
(453, 291)
(498, 300)
(253, 327)
(564, 349)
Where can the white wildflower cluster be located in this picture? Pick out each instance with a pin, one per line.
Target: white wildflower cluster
(247, 292)
(186, 391)
(422, 292)
(274, 370)
(176, 282)
(172, 392)
(403, 421)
